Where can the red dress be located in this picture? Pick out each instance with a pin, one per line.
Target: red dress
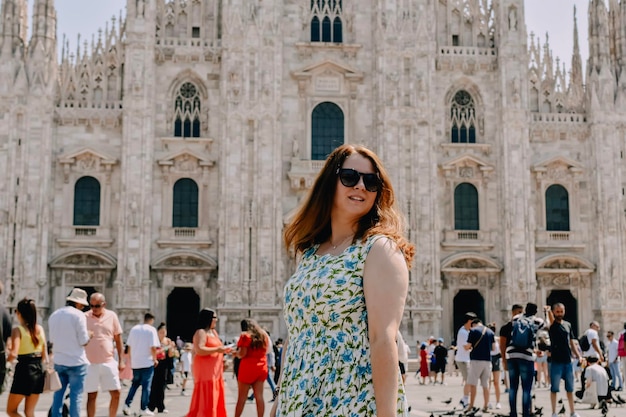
(253, 366)
(423, 363)
(208, 383)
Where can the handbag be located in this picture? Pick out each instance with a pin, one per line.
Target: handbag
(51, 381)
(590, 395)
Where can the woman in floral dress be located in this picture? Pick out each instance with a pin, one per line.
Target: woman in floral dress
(344, 303)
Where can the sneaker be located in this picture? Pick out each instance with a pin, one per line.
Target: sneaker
(555, 415)
(183, 393)
(463, 402)
(164, 411)
(489, 406)
(498, 406)
(126, 410)
(574, 414)
(146, 412)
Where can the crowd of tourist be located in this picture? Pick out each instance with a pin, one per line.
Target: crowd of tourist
(344, 354)
(531, 350)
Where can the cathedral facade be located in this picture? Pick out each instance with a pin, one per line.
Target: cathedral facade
(159, 161)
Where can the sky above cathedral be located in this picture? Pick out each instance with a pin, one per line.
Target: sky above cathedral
(85, 17)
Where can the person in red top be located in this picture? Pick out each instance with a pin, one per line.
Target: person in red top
(208, 369)
(252, 349)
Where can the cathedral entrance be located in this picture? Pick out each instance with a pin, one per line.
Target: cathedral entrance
(465, 301)
(183, 305)
(571, 306)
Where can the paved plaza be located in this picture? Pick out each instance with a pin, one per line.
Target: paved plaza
(424, 400)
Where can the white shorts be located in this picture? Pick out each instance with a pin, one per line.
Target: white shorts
(105, 376)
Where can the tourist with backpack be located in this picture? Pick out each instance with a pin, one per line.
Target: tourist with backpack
(590, 342)
(562, 349)
(520, 357)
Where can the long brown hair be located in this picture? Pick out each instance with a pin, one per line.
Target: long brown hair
(311, 224)
(259, 340)
(28, 311)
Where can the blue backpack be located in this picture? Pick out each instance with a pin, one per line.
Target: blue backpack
(523, 333)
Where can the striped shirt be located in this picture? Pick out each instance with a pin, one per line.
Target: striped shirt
(519, 353)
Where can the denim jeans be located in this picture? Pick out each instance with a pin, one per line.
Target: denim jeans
(524, 370)
(143, 377)
(74, 376)
(617, 382)
(270, 381)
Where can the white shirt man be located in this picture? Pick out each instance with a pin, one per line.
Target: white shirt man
(69, 335)
(613, 359)
(594, 341)
(142, 342)
(595, 372)
(462, 357)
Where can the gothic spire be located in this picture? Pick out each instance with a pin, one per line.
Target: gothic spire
(599, 44)
(14, 24)
(575, 89)
(44, 27)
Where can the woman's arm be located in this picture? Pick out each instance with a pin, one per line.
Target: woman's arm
(385, 285)
(240, 352)
(44, 345)
(199, 342)
(16, 338)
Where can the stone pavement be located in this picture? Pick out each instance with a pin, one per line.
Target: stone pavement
(424, 400)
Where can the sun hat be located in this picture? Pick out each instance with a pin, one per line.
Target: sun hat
(78, 296)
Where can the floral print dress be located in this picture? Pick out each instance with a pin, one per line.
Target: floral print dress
(327, 367)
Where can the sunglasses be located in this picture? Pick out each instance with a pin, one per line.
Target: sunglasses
(95, 305)
(350, 177)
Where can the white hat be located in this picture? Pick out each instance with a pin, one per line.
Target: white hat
(78, 296)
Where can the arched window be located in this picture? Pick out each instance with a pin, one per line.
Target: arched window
(327, 129)
(185, 210)
(187, 112)
(465, 207)
(326, 23)
(557, 208)
(87, 202)
(463, 118)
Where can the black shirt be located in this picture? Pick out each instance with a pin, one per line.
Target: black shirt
(560, 336)
(441, 354)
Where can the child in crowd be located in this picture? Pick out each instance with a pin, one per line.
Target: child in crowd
(185, 362)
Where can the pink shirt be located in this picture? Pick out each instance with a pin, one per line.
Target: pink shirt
(100, 348)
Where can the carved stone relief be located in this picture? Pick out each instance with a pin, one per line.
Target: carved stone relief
(466, 172)
(557, 172)
(562, 264)
(468, 264)
(183, 278)
(186, 163)
(180, 261)
(468, 280)
(87, 162)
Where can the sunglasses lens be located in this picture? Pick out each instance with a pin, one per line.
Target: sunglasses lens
(349, 177)
(371, 182)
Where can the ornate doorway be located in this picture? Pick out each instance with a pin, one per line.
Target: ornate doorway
(183, 305)
(571, 305)
(465, 301)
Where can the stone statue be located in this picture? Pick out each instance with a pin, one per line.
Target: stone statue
(513, 19)
(141, 8)
(295, 147)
